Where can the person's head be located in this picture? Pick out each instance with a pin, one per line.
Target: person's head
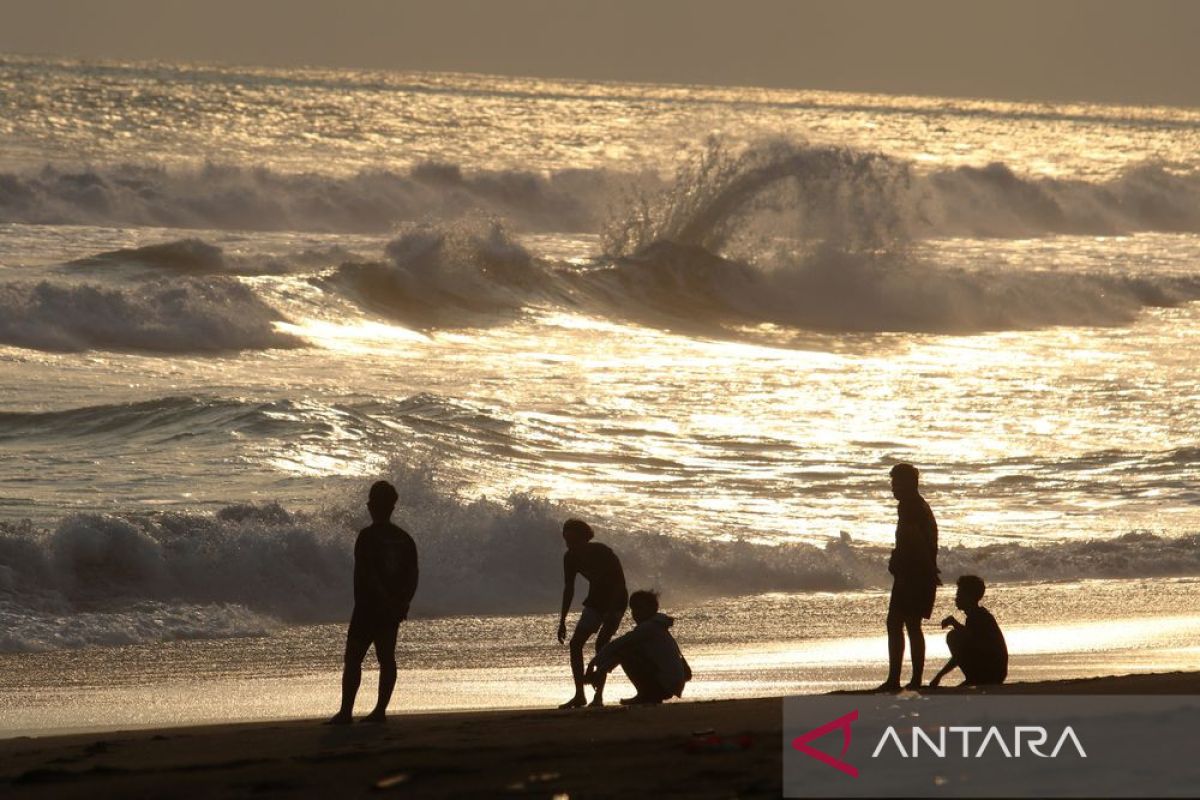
(643, 605)
(970, 592)
(577, 533)
(381, 501)
(904, 480)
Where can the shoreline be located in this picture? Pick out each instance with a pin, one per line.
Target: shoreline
(611, 751)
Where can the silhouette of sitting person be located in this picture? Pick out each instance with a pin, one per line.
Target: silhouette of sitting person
(603, 607)
(385, 580)
(648, 654)
(915, 576)
(977, 648)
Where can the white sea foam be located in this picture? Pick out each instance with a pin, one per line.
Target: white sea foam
(184, 315)
(246, 198)
(106, 579)
(447, 275)
(839, 290)
(981, 200)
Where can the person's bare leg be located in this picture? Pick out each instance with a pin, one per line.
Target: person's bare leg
(602, 638)
(351, 679)
(916, 638)
(642, 675)
(385, 653)
(895, 632)
(577, 642)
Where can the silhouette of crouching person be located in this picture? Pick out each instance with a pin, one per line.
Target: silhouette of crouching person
(649, 655)
(977, 647)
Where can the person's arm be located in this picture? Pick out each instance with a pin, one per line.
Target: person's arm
(931, 533)
(568, 596)
(360, 569)
(610, 655)
(948, 622)
(410, 578)
(950, 665)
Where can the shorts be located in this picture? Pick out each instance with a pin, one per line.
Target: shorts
(374, 627)
(593, 621)
(911, 599)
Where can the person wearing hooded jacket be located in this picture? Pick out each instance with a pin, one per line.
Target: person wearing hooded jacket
(649, 655)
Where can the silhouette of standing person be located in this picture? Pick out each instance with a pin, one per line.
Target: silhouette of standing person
(603, 607)
(385, 580)
(915, 576)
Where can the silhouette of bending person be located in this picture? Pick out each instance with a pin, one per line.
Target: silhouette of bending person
(602, 608)
(649, 655)
(978, 647)
(915, 576)
(385, 580)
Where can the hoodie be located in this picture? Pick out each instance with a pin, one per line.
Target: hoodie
(652, 637)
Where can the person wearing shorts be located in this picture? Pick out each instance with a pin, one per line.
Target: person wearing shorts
(385, 580)
(603, 607)
(915, 576)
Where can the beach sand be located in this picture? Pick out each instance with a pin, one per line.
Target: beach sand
(644, 751)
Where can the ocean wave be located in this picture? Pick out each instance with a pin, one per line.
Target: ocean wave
(186, 315)
(171, 417)
(813, 184)
(446, 276)
(246, 566)
(23, 630)
(778, 188)
(868, 200)
(255, 198)
(834, 290)
(825, 238)
(994, 201)
(474, 274)
(198, 257)
(166, 419)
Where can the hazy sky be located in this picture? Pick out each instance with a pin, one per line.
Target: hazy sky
(1142, 52)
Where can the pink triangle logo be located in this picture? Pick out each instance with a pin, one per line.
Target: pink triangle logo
(801, 743)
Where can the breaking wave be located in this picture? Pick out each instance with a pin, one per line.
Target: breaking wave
(981, 200)
(249, 198)
(868, 200)
(994, 201)
(198, 257)
(783, 234)
(107, 579)
(446, 276)
(824, 238)
(836, 290)
(187, 315)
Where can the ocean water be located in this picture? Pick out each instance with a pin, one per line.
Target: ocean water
(707, 320)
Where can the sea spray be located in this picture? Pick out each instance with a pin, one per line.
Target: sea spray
(239, 569)
(448, 275)
(826, 239)
(986, 199)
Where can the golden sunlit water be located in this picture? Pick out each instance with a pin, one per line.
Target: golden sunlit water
(706, 320)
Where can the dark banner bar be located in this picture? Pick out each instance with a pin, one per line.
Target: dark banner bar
(991, 746)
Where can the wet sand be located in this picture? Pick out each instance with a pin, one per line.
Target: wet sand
(644, 751)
